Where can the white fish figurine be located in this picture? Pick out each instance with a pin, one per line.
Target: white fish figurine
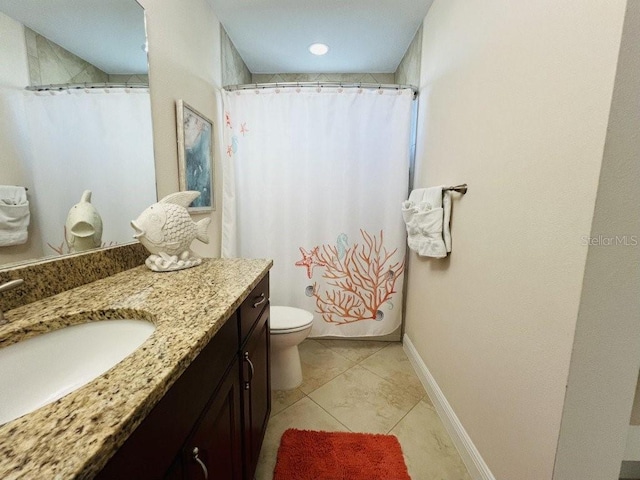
(83, 228)
(167, 230)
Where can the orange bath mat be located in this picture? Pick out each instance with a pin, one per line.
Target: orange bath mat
(310, 455)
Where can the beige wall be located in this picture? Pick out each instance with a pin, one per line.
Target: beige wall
(14, 76)
(184, 63)
(514, 100)
(13, 54)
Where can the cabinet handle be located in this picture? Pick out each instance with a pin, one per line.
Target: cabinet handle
(261, 301)
(196, 452)
(247, 385)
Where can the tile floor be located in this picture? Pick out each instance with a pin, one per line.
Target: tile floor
(363, 386)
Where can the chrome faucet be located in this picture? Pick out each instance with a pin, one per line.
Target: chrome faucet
(10, 285)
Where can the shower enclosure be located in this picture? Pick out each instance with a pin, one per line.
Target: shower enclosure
(314, 177)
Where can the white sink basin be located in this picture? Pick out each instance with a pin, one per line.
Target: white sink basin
(42, 369)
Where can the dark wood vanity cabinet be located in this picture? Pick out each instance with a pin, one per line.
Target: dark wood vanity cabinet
(256, 395)
(226, 443)
(211, 422)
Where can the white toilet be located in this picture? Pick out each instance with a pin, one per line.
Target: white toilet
(289, 326)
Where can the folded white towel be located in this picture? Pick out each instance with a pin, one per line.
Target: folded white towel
(427, 214)
(14, 215)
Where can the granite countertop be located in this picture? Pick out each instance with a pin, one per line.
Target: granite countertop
(76, 435)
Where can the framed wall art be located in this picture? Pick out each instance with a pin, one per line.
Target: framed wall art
(195, 156)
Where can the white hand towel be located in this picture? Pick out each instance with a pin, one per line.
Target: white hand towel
(14, 215)
(427, 213)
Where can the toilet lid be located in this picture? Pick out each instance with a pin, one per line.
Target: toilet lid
(286, 318)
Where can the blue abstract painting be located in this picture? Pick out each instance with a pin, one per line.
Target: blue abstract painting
(196, 163)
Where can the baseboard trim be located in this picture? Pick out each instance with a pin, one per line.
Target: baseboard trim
(470, 455)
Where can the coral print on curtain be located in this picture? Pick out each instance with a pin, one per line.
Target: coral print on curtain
(359, 280)
(314, 179)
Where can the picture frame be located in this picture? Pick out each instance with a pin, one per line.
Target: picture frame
(195, 156)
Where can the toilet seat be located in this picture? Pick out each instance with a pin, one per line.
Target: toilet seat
(289, 319)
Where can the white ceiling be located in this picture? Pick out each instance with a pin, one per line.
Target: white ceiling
(109, 34)
(273, 36)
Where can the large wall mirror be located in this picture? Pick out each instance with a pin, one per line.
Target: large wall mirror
(91, 132)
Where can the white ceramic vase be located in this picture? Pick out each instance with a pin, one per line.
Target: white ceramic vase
(83, 228)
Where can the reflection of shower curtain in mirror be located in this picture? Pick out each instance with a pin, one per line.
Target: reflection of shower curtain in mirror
(98, 140)
(315, 181)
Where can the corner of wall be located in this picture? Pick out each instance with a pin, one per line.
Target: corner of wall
(184, 63)
(606, 351)
(408, 71)
(234, 70)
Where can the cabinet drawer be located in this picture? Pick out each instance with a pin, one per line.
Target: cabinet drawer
(252, 307)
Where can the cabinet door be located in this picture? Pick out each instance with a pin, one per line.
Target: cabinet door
(149, 451)
(256, 388)
(214, 448)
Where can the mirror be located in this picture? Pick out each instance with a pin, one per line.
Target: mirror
(59, 143)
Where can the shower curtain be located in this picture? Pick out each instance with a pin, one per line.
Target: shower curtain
(94, 139)
(314, 179)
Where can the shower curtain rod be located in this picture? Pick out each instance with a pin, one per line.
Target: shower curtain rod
(383, 86)
(80, 86)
